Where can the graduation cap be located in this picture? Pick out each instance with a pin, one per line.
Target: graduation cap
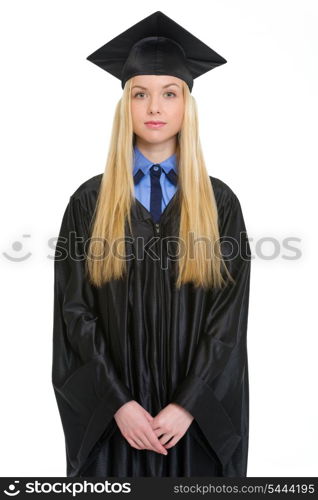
(156, 45)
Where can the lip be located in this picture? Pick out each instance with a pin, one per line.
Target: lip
(153, 124)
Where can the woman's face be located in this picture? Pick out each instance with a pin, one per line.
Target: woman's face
(156, 98)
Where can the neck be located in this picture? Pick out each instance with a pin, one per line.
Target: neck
(157, 152)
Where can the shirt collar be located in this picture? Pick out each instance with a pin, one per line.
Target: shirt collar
(141, 162)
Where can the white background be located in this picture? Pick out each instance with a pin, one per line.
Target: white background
(258, 123)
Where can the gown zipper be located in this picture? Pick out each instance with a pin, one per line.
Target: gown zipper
(158, 233)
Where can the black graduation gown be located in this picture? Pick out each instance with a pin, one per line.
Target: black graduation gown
(140, 338)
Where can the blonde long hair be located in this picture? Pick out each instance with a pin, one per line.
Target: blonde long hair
(198, 209)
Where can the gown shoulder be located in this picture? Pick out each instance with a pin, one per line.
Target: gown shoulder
(222, 191)
(86, 193)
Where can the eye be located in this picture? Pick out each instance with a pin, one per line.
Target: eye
(143, 93)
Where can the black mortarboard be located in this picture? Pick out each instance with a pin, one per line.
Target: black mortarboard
(156, 45)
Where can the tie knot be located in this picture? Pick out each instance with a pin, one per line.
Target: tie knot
(155, 170)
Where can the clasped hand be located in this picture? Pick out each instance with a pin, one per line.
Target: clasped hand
(145, 432)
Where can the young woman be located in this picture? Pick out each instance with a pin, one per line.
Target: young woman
(152, 272)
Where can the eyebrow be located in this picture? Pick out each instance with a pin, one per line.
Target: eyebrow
(165, 86)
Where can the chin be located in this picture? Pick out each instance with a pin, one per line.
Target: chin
(154, 137)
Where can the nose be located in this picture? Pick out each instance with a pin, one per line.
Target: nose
(154, 106)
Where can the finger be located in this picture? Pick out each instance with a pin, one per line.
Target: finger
(141, 442)
(149, 417)
(148, 444)
(133, 444)
(156, 444)
(141, 437)
(173, 442)
(146, 436)
(159, 432)
(165, 438)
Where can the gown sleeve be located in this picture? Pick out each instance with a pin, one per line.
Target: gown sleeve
(87, 387)
(212, 390)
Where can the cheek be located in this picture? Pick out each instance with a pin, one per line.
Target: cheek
(176, 107)
(176, 114)
(135, 109)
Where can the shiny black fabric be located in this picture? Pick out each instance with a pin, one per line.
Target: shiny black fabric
(140, 338)
(156, 45)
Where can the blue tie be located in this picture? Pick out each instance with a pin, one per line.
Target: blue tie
(172, 176)
(156, 192)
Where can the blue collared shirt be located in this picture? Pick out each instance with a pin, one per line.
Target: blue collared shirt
(143, 187)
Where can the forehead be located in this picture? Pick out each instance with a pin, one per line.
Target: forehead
(155, 81)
